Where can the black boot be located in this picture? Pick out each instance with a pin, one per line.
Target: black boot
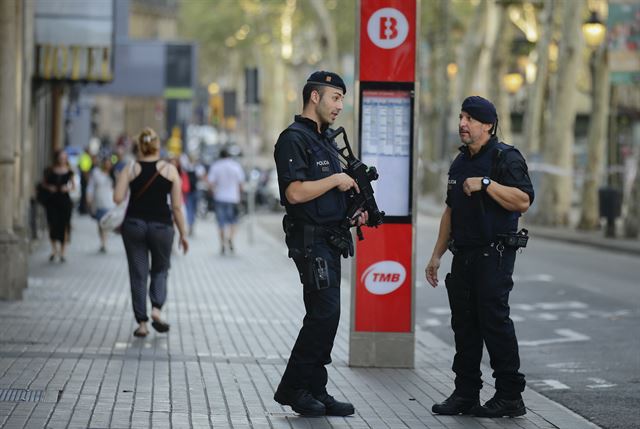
(499, 407)
(300, 401)
(455, 405)
(333, 407)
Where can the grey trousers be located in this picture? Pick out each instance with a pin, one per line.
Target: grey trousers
(142, 239)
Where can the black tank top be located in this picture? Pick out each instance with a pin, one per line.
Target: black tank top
(152, 205)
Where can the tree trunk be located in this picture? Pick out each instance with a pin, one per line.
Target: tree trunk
(482, 76)
(632, 219)
(330, 48)
(557, 187)
(500, 54)
(428, 154)
(589, 216)
(470, 54)
(274, 106)
(437, 149)
(535, 101)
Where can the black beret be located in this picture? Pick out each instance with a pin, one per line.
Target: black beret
(327, 78)
(480, 109)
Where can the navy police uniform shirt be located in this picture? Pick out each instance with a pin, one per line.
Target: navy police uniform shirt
(303, 154)
(476, 220)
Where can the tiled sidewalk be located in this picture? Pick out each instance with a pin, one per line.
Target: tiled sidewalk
(233, 322)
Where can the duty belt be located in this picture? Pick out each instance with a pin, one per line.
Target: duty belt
(336, 236)
(514, 240)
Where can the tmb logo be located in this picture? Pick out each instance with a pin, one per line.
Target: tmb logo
(383, 277)
(388, 28)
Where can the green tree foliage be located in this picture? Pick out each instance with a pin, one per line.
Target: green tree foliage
(253, 27)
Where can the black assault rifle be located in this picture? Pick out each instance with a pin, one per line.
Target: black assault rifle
(363, 175)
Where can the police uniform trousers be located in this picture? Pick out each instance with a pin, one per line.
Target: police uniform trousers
(312, 350)
(478, 288)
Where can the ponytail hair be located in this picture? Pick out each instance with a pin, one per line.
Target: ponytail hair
(148, 143)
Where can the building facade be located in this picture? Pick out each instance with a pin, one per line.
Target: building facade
(17, 151)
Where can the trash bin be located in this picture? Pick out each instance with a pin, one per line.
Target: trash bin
(610, 202)
(610, 208)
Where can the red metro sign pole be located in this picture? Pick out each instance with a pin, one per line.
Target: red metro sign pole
(382, 317)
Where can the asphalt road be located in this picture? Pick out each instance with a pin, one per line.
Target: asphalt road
(577, 315)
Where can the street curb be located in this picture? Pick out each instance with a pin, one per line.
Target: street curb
(623, 246)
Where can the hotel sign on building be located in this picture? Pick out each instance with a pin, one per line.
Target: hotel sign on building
(74, 40)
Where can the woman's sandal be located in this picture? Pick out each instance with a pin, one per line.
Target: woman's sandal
(140, 333)
(160, 326)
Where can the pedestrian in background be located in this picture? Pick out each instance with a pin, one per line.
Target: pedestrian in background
(184, 187)
(100, 195)
(488, 189)
(226, 177)
(58, 181)
(194, 171)
(147, 230)
(85, 165)
(312, 189)
(122, 154)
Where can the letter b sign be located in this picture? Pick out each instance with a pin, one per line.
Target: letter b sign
(388, 28)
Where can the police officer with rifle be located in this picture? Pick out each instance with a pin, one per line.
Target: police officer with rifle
(322, 202)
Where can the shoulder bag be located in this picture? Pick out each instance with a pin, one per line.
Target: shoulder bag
(112, 220)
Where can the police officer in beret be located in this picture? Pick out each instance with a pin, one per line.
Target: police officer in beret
(488, 189)
(312, 189)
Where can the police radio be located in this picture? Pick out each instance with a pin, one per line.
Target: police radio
(363, 175)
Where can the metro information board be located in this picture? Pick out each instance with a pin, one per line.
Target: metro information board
(386, 143)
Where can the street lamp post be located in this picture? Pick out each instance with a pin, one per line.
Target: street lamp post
(513, 81)
(594, 32)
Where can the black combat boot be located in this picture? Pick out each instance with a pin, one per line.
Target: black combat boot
(300, 401)
(500, 407)
(333, 407)
(456, 404)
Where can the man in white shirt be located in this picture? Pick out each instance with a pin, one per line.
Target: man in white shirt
(226, 177)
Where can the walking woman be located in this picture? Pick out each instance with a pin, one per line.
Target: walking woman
(58, 181)
(147, 229)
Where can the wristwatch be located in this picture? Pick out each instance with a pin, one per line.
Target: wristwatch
(485, 183)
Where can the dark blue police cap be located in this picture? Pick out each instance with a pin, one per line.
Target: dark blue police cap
(480, 109)
(327, 78)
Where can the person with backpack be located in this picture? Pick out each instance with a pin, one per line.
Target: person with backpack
(488, 190)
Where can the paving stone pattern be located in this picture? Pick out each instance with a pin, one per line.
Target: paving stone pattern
(233, 322)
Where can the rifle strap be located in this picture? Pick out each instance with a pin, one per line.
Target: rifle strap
(498, 157)
(308, 137)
